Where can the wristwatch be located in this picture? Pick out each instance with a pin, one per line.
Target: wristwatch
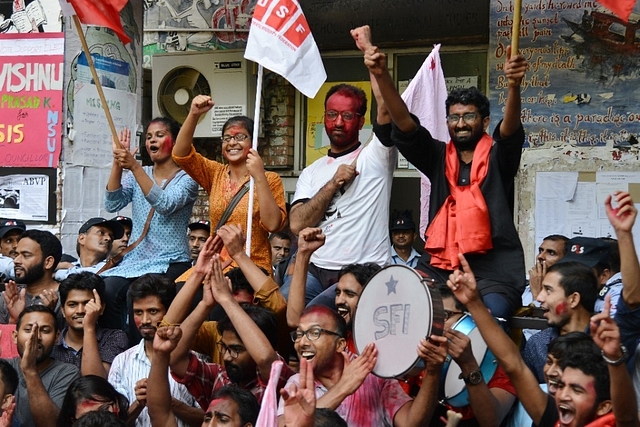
(474, 378)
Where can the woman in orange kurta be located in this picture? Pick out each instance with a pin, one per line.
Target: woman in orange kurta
(222, 181)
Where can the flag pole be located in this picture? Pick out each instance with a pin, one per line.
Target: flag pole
(96, 80)
(256, 128)
(515, 29)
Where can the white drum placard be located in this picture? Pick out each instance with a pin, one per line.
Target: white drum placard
(396, 309)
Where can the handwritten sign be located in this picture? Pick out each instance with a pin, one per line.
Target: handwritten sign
(581, 83)
(92, 142)
(31, 77)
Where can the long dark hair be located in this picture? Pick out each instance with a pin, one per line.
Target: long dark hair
(90, 387)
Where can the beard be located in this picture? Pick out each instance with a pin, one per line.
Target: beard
(466, 143)
(236, 373)
(31, 275)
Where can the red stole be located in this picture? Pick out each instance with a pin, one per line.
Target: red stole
(608, 420)
(462, 224)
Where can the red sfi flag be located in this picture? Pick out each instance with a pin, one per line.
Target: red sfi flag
(101, 13)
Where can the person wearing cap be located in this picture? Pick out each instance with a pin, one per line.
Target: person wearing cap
(10, 231)
(199, 232)
(403, 234)
(93, 246)
(121, 244)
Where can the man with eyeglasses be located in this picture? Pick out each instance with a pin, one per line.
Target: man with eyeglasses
(345, 384)
(471, 202)
(249, 334)
(346, 192)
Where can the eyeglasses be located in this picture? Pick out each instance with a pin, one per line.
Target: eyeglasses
(469, 118)
(312, 334)
(347, 116)
(233, 351)
(449, 313)
(239, 137)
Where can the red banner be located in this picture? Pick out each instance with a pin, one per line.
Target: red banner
(31, 86)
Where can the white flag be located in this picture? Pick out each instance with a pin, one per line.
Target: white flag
(281, 41)
(425, 97)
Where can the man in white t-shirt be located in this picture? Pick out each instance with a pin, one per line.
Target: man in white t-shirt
(346, 192)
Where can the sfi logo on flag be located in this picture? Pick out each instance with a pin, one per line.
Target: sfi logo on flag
(283, 15)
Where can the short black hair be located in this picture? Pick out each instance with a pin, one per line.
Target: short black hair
(38, 308)
(248, 407)
(9, 377)
(239, 282)
(280, 235)
(263, 317)
(613, 263)
(83, 281)
(565, 345)
(351, 92)
(49, 244)
(593, 365)
(577, 277)
(153, 285)
(99, 419)
(361, 272)
(338, 321)
(172, 125)
(446, 292)
(469, 96)
(325, 417)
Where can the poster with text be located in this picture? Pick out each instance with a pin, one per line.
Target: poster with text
(583, 81)
(31, 77)
(28, 194)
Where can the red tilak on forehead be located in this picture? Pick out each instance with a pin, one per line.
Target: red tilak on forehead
(562, 308)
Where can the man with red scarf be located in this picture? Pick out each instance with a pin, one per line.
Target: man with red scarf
(471, 202)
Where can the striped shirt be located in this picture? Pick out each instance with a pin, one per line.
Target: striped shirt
(133, 365)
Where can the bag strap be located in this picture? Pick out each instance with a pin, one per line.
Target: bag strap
(116, 259)
(232, 205)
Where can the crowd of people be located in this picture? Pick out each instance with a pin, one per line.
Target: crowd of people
(162, 322)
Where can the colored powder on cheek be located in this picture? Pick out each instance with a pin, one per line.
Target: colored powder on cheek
(561, 308)
(167, 146)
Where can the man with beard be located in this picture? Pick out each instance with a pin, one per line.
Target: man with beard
(151, 296)
(10, 231)
(471, 201)
(83, 343)
(346, 193)
(198, 234)
(248, 337)
(93, 246)
(38, 255)
(43, 380)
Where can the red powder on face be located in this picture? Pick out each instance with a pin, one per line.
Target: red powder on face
(561, 308)
(167, 146)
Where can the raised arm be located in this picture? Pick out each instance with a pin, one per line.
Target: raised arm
(418, 412)
(126, 160)
(606, 335)
(179, 308)
(252, 337)
(463, 285)
(376, 62)
(271, 215)
(514, 69)
(199, 106)
(233, 239)
(116, 170)
(622, 219)
(91, 363)
(309, 240)
(159, 402)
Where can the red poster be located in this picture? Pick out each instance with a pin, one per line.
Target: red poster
(31, 84)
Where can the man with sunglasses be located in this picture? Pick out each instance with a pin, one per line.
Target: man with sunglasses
(346, 193)
(471, 201)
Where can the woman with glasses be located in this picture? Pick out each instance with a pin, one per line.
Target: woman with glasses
(223, 181)
(91, 393)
